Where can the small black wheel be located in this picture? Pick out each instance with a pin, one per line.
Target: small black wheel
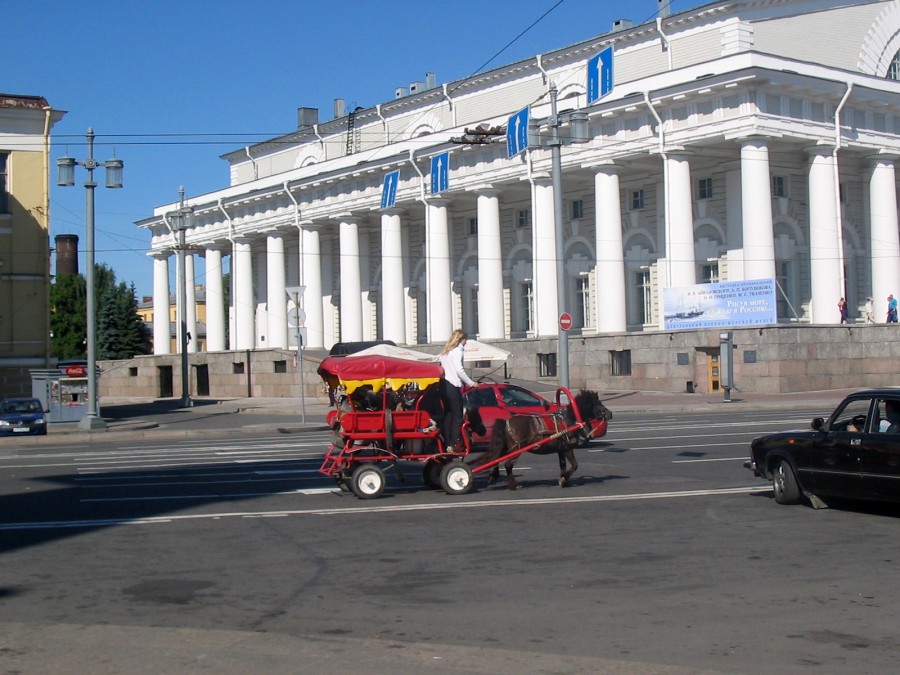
(367, 481)
(344, 484)
(456, 478)
(431, 474)
(784, 482)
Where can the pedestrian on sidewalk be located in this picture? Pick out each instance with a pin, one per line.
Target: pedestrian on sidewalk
(870, 313)
(842, 308)
(892, 309)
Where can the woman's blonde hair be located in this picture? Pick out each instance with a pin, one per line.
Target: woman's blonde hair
(455, 338)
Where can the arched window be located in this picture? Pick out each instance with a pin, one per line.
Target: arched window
(893, 72)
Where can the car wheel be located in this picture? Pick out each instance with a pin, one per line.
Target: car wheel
(784, 482)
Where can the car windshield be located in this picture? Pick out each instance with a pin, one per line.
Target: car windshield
(19, 406)
(515, 397)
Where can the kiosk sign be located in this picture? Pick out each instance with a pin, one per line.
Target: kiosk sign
(76, 371)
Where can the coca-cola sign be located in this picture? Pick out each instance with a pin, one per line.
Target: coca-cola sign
(76, 371)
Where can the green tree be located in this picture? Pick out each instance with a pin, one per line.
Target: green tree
(68, 311)
(121, 334)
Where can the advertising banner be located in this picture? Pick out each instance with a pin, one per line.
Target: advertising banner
(728, 303)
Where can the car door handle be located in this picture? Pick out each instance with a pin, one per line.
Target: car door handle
(855, 441)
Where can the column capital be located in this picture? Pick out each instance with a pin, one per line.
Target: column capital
(754, 139)
(821, 148)
(165, 254)
(882, 157)
(392, 211)
(607, 167)
(437, 200)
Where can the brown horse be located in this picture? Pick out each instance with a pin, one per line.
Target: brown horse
(521, 430)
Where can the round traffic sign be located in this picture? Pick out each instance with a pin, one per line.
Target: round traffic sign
(565, 321)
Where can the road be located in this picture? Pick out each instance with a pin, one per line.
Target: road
(233, 555)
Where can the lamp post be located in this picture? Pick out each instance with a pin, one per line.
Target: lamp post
(179, 221)
(578, 133)
(66, 178)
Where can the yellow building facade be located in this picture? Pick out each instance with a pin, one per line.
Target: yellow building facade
(145, 311)
(25, 124)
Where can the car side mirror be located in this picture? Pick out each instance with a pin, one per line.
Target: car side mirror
(818, 423)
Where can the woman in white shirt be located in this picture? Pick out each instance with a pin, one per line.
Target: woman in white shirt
(455, 377)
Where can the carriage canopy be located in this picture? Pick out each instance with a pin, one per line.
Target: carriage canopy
(356, 371)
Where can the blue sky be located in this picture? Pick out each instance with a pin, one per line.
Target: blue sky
(169, 87)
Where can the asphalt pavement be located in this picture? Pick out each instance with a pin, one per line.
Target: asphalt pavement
(148, 418)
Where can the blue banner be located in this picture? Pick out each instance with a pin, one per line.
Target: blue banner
(728, 303)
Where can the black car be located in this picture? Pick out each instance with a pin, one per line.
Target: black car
(854, 454)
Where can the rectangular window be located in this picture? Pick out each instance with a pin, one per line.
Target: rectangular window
(779, 186)
(4, 197)
(523, 218)
(473, 227)
(709, 274)
(280, 366)
(237, 368)
(637, 200)
(547, 365)
(620, 362)
(132, 371)
(582, 302)
(645, 309)
(704, 188)
(525, 307)
(577, 209)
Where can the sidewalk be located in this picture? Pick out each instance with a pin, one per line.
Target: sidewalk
(165, 418)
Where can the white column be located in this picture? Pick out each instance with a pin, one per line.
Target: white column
(311, 278)
(191, 297)
(824, 256)
(610, 275)
(215, 302)
(351, 302)
(491, 324)
(440, 307)
(756, 211)
(885, 250)
(680, 223)
(244, 306)
(392, 266)
(276, 297)
(162, 330)
(546, 303)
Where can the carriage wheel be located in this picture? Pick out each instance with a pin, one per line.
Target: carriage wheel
(367, 481)
(431, 474)
(456, 478)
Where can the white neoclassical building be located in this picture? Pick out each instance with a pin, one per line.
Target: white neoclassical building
(740, 140)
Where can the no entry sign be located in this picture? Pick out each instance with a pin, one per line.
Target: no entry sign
(565, 321)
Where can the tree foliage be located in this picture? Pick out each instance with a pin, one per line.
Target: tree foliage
(120, 332)
(68, 311)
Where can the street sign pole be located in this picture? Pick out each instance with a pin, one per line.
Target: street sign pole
(558, 217)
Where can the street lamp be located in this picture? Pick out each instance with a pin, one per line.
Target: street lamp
(179, 221)
(66, 178)
(578, 133)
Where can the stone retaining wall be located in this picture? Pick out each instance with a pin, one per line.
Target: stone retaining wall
(771, 359)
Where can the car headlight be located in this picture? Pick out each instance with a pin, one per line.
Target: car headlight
(5, 423)
(39, 420)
